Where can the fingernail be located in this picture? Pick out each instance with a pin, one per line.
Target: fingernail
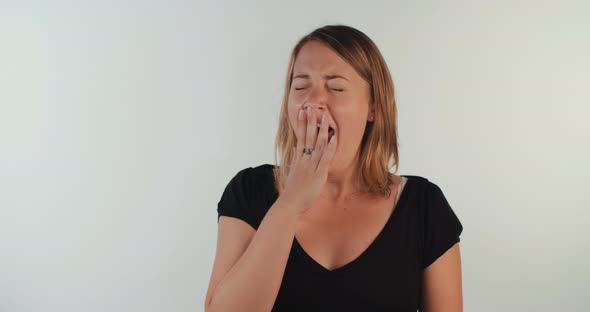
(301, 115)
(323, 118)
(308, 111)
(332, 138)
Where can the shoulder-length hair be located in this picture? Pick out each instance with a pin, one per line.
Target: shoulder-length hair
(379, 145)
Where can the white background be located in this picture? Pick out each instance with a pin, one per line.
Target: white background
(121, 122)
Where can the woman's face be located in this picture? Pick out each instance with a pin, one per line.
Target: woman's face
(326, 83)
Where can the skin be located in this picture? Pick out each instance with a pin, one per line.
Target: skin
(247, 257)
(346, 103)
(442, 289)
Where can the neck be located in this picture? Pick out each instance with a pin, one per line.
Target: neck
(341, 183)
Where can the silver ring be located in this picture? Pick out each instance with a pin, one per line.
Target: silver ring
(307, 150)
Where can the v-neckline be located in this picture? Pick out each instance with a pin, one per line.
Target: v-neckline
(323, 270)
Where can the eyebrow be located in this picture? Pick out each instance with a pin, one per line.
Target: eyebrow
(328, 77)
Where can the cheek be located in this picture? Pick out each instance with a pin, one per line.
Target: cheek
(352, 112)
(293, 106)
(292, 114)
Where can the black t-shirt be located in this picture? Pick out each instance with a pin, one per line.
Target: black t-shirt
(385, 277)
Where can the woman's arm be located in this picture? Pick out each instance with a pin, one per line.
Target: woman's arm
(253, 282)
(441, 284)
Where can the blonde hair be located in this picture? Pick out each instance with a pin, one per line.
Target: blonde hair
(379, 145)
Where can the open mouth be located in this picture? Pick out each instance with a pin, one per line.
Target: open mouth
(331, 132)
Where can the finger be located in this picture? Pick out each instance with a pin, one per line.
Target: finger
(327, 155)
(321, 140)
(300, 133)
(312, 128)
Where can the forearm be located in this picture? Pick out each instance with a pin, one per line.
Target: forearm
(252, 284)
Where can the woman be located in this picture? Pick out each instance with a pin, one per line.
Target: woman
(330, 228)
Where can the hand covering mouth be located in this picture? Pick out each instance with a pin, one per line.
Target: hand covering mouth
(331, 131)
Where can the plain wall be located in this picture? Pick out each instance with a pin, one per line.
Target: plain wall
(121, 123)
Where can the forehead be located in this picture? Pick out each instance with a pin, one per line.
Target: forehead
(317, 56)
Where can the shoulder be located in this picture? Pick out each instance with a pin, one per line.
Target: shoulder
(248, 194)
(423, 184)
(256, 179)
(440, 226)
(419, 183)
(251, 176)
(427, 196)
(263, 171)
(253, 183)
(415, 178)
(432, 204)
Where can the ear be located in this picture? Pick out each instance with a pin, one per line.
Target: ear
(371, 116)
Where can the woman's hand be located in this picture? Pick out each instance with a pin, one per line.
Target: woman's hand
(309, 173)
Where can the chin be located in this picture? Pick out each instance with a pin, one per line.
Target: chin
(332, 165)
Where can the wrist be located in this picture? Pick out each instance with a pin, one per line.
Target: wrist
(289, 205)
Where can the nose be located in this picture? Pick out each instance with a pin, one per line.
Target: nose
(316, 99)
(317, 107)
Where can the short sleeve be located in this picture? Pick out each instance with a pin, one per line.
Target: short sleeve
(442, 227)
(236, 198)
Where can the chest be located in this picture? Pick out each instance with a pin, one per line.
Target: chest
(335, 236)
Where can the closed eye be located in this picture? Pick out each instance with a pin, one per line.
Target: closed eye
(338, 90)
